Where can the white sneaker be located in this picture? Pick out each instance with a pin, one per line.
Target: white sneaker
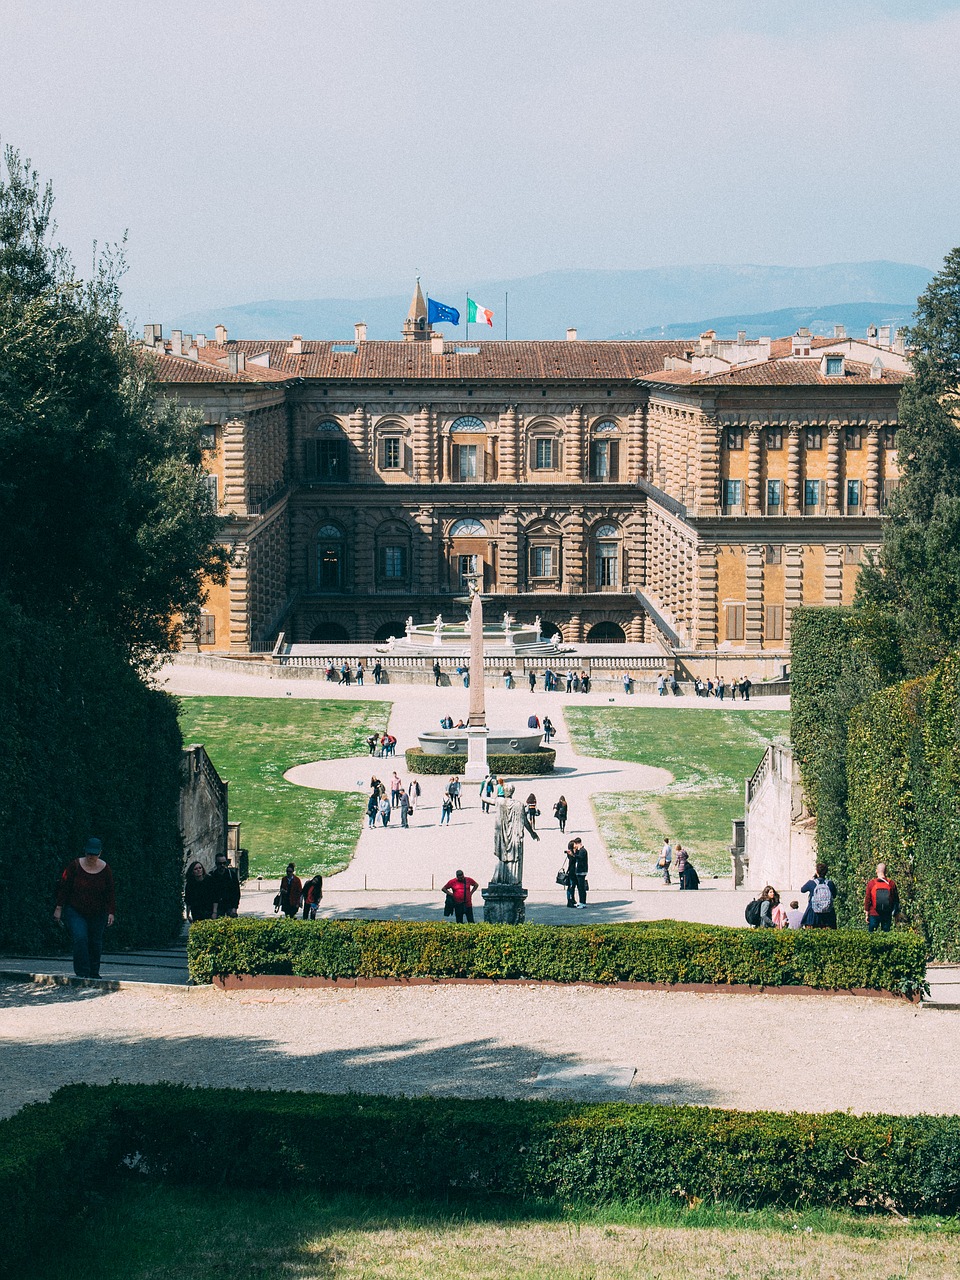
(581, 906)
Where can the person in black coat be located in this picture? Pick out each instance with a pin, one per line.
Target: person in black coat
(578, 864)
(197, 893)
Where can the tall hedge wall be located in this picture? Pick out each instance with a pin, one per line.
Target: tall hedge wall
(86, 748)
(903, 765)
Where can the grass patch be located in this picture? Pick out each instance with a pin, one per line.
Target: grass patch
(253, 742)
(709, 752)
(160, 1232)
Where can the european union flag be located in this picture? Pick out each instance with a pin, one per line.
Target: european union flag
(439, 312)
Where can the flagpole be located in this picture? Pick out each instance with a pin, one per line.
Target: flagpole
(467, 314)
(506, 317)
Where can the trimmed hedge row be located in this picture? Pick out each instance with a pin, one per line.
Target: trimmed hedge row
(565, 1153)
(662, 951)
(509, 765)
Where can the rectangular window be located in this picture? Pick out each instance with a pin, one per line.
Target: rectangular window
(212, 488)
(853, 494)
(851, 555)
(543, 455)
(604, 455)
(607, 556)
(327, 460)
(732, 493)
(466, 462)
(469, 567)
(207, 629)
(208, 437)
(853, 438)
(774, 494)
(774, 555)
(889, 437)
(811, 493)
(774, 438)
(541, 562)
(735, 621)
(814, 438)
(394, 562)
(774, 627)
(834, 366)
(734, 438)
(889, 489)
(392, 453)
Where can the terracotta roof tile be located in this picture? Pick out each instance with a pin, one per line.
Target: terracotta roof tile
(789, 372)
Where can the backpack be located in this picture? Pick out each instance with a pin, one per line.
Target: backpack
(752, 914)
(822, 899)
(881, 899)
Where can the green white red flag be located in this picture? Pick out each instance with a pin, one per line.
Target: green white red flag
(477, 314)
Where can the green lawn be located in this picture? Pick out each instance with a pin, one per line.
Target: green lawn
(158, 1232)
(709, 752)
(253, 742)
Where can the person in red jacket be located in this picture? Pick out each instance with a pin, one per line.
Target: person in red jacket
(87, 905)
(291, 891)
(881, 902)
(461, 889)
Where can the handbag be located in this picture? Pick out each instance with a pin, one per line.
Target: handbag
(276, 903)
(562, 877)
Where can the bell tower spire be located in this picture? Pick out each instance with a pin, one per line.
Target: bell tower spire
(415, 327)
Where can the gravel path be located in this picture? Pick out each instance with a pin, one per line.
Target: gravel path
(780, 1053)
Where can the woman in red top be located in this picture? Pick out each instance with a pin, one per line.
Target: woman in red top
(86, 903)
(461, 890)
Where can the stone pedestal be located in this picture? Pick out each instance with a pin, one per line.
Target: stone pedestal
(477, 767)
(504, 903)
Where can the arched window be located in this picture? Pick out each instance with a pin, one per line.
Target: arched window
(467, 528)
(606, 539)
(329, 558)
(468, 424)
(605, 452)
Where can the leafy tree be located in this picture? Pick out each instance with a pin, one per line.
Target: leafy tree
(909, 600)
(105, 519)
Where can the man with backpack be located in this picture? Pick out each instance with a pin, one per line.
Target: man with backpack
(881, 901)
(821, 912)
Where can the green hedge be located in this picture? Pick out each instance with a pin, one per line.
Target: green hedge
(662, 951)
(566, 1153)
(86, 749)
(533, 762)
(903, 761)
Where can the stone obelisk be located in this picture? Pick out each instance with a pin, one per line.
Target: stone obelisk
(477, 731)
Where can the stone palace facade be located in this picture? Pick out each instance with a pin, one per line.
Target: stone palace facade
(688, 493)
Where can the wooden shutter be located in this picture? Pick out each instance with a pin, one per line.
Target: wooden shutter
(614, 459)
(735, 620)
(774, 627)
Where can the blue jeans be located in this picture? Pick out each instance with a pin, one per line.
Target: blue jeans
(86, 932)
(881, 922)
(576, 886)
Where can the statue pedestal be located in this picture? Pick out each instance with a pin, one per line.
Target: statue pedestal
(477, 767)
(503, 903)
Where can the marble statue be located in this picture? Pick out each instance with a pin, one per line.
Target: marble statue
(508, 836)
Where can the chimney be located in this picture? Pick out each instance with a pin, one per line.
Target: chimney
(884, 335)
(871, 333)
(236, 362)
(571, 335)
(741, 337)
(876, 369)
(900, 342)
(839, 331)
(152, 335)
(187, 341)
(436, 344)
(201, 339)
(176, 342)
(296, 346)
(192, 353)
(360, 331)
(221, 334)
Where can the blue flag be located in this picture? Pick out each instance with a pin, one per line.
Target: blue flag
(439, 312)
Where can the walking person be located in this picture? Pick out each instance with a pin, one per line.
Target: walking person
(377, 671)
(881, 901)
(373, 807)
(661, 684)
(745, 687)
(384, 810)
(413, 793)
(548, 730)
(360, 674)
(578, 864)
(821, 912)
(344, 674)
(224, 888)
(86, 902)
(312, 893)
(627, 682)
(446, 808)
(197, 897)
(508, 679)
(396, 787)
(460, 891)
(437, 674)
(570, 679)
(404, 809)
(680, 864)
(533, 813)
(532, 678)
(769, 901)
(453, 791)
(666, 857)
(721, 688)
(291, 891)
(560, 813)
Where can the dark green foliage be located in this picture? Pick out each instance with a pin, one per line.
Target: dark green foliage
(86, 749)
(904, 767)
(543, 1152)
(501, 766)
(662, 951)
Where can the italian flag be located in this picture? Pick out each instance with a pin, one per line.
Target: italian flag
(477, 314)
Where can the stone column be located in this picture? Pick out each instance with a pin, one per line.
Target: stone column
(573, 444)
(239, 598)
(508, 569)
(792, 587)
(873, 470)
(794, 494)
(707, 601)
(358, 433)
(234, 466)
(636, 445)
(423, 451)
(443, 448)
(833, 575)
(708, 483)
(507, 436)
(833, 469)
(573, 553)
(754, 441)
(753, 630)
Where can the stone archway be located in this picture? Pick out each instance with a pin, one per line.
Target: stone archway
(329, 633)
(389, 630)
(606, 633)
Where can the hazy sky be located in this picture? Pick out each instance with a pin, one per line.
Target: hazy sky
(311, 148)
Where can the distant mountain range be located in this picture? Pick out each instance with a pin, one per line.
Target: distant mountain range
(854, 316)
(601, 303)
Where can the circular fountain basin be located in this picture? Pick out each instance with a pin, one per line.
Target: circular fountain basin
(500, 742)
